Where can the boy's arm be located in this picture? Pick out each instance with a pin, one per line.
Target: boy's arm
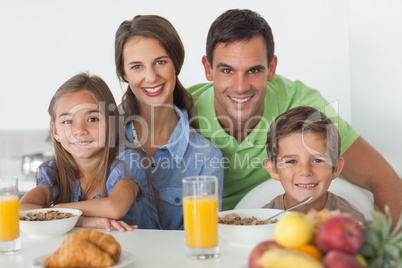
(365, 167)
(35, 198)
(113, 207)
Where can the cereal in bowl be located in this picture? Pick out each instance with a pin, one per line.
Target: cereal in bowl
(235, 219)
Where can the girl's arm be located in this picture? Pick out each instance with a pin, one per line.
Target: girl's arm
(35, 198)
(96, 222)
(113, 207)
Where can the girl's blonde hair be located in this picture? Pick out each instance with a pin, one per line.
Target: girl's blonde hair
(67, 170)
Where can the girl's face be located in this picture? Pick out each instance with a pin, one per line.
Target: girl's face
(304, 168)
(149, 71)
(79, 125)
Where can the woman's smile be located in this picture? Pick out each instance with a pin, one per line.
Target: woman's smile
(153, 91)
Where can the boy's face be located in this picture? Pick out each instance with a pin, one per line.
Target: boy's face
(304, 168)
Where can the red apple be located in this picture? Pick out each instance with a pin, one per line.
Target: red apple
(340, 233)
(255, 256)
(340, 259)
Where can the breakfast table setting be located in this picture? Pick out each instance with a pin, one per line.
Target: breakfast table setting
(141, 248)
(249, 237)
(31, 238)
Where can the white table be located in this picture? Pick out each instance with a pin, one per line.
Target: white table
(151, 248)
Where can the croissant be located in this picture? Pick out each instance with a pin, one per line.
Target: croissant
(79, 253)
(105, 242)
(86, 248)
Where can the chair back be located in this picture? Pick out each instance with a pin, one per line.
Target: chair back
(268, 190)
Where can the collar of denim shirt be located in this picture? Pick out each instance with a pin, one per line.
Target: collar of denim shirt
(178, 141)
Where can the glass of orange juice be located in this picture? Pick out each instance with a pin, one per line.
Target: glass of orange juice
(9, 218)
(200, 212)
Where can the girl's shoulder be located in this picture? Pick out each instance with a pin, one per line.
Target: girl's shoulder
(47, 173)
(47, 166)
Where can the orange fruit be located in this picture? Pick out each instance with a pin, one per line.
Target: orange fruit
(311, 250)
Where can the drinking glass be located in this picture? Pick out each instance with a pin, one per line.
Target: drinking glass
(200, 212)
(9, 218)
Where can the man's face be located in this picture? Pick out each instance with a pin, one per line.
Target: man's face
(240, 72)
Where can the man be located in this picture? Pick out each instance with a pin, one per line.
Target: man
(247, 96)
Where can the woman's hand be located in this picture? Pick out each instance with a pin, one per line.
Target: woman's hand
(105, 223)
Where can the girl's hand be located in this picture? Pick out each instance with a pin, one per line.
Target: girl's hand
(104, 223)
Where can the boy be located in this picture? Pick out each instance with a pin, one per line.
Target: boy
(303, 148)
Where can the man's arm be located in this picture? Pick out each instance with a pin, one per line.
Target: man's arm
(365, 167)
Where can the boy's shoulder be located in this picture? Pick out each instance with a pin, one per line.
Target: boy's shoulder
(276, 203)
(335, 202)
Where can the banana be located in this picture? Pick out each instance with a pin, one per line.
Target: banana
(288, 258)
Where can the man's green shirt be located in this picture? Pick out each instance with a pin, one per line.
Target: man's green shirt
(244, 162)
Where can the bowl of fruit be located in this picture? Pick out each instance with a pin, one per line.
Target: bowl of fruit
(330, 239)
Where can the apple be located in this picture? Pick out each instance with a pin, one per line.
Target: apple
(340, 259)
(255, 256)
(340, 233)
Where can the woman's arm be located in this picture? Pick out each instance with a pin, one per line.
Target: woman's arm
(112, 207)
(213, 167)
(35, 198)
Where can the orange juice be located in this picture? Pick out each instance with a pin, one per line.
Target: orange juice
(9, 218)
(201, 221)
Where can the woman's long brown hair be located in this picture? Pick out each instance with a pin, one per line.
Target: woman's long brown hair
(162, 30)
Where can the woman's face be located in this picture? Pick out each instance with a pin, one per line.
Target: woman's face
(149, 71)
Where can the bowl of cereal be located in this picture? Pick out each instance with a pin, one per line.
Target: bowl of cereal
(46, 222)
(247, 226)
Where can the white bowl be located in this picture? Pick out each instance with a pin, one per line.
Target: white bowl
(49, 228)
(248, 235)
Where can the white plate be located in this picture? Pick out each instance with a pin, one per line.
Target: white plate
(126, 258)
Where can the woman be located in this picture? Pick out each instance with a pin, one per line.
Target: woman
(156, 108)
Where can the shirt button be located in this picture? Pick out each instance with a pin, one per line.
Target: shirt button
(177, 200)
(164, 149)
(153, 165)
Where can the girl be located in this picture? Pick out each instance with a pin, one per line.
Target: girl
(91, 171)
(156, 108)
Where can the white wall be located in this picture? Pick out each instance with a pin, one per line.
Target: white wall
(348, 49)
(45, 42)
(376, 73)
